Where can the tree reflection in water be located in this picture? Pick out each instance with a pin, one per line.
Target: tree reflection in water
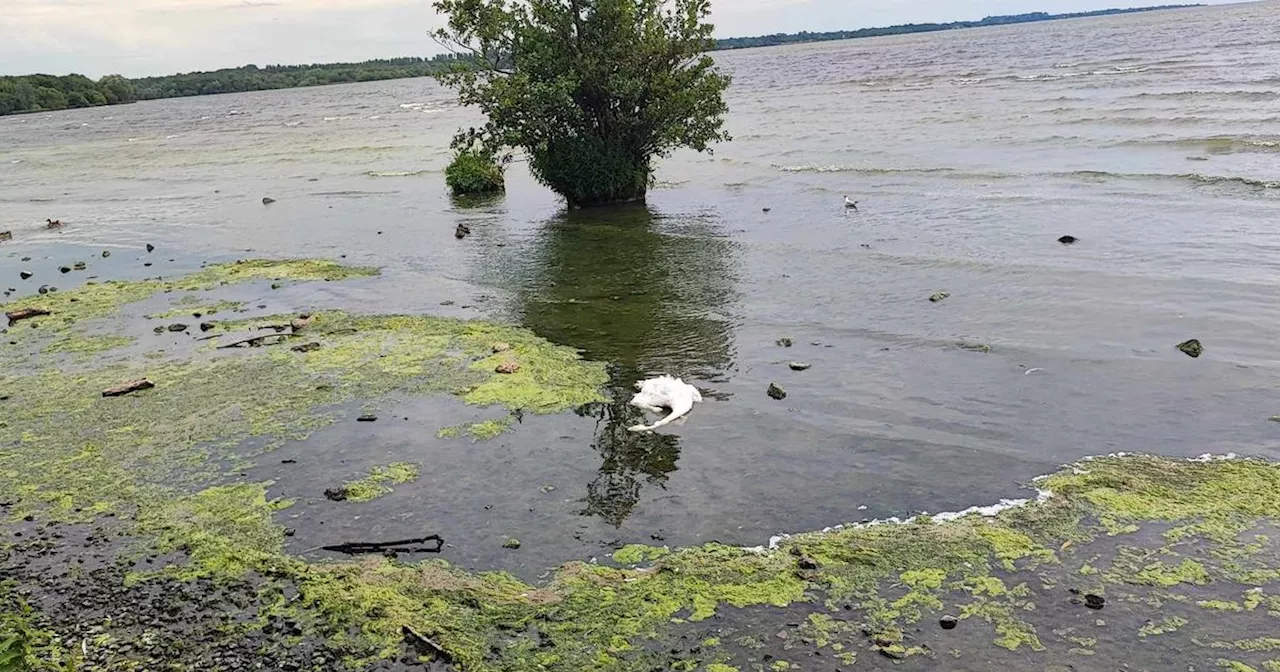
(647, 294)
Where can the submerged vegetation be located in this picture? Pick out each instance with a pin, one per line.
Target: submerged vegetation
(1172, 548)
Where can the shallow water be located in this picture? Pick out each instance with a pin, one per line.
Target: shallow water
(1153, 138)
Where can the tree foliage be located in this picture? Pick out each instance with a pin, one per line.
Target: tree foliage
(591, 90)
(476, 169)
(254, 78)
(38, 93)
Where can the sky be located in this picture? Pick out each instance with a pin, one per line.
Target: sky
(155, 37)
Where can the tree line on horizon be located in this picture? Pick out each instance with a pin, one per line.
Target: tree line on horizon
(43, 93)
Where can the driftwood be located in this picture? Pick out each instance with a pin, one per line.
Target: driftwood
(399, 546)
(422, 639)
(26, 313)
(131, 386)
(255, 341)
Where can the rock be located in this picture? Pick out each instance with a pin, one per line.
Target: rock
(501, 347)
(106, 253)
(158, 330)
(44, 289)
(508, 367)
(766, 209)
(64, 269)
(1094, 601)
(799, 366)
(267, 200)
(206, 326)
(131, 386)
(79, 266)
(939, 296)
(461, 232)
(785, 342)
(300, 322)
(6, 235)
(306, 347)
(25, 275)
(511, 542)
(147, 264)
(807, 562)
(177, 327)
(367, 417)
(336, 494)
(276, 285)
(948, 622)
(151, 248)
(1067, 240)
(446, 303)
(1275, 418)
(1191, 348)
(776, 392)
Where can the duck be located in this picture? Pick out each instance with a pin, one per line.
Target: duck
(853, 205)
(52, 223)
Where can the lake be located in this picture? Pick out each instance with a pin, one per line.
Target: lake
(1152, 138)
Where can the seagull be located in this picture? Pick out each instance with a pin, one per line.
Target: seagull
(850, 204)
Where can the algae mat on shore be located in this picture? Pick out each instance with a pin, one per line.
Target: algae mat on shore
(1179, 555)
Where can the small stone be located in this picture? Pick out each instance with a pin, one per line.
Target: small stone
(1094, 601)
(1067, 240)
(336, 494)
(799, 366)
(508, 367)
(948, 622)
(1274, 418)
(159, 330)
(306, 347)
(776, 391)
(267, 200)
(765, 209)
(147, 264)
(501, 347)
(25, 275)
(64, 269)
(807, 562)
(1191, 348)
(785, 342)
(547, 488)
(206, 326)
(938, 296)
(106, 253)
(151, 248)
(79, 266)
(446, 303)
(177, 327)
(276, 285)
(367, 417)
(44, 289)
(511, 542)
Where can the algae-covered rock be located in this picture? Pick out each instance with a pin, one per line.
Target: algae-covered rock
(775, 391)
(1191, 348)
(799, 366)
(938, 296)
(785, 341)
(511, 542)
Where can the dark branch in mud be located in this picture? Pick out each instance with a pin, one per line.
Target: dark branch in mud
(398, 546)
(418, 637)
(26, 313)
(126, 388)
(256, 341)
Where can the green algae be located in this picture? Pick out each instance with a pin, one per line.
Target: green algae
(379, 480)
(1164, 626)
(635, 554)
(79, 455)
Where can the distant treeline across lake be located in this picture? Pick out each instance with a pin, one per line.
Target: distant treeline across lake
(42, 93)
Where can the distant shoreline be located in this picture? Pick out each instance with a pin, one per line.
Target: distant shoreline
(803, 37)
(47, 93)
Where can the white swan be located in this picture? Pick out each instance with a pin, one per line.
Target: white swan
(664, 392)
(850, 204)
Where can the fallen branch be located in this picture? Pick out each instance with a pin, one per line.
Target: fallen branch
(131, 386)
(400, 546)
(428, 642)
(255, 341)
(25, 313)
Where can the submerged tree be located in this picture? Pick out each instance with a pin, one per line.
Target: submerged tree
(591, 90)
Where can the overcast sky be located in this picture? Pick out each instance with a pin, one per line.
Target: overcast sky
(152, 37)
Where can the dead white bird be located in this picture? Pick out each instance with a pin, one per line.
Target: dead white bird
(850, 203)
(664, 392)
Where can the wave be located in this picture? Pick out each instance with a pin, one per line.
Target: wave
(1091, 175)
(1218, 144)
(398, 173)
(1241, 95)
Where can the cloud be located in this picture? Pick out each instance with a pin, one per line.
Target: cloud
(143, 37)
